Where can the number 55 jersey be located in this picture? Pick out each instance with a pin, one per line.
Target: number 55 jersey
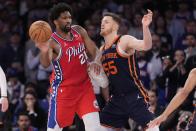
(122, 71)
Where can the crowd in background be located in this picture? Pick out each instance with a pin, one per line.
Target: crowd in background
(164, 68)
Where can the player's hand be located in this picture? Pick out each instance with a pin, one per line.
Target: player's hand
(95, 68)
(157, 121)
(4, 104)
(44, 47)
(147, 19)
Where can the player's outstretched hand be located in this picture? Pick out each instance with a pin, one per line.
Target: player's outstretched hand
(157, 121)
(4, 104)
(147, 19)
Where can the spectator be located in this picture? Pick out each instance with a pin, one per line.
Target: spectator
(136, 28)
(190, 41)
(24, 123)
(178, 74)
(143, 66)
(190, 28)
(155, 64)
(15, 88)
(190, 52)
(164, 80)
(32, 108)
(154, 107)
(14, 50)
(160, 28)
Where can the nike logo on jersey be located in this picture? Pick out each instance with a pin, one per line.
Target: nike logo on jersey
(74, 51)
(113, 46)
(65, 44)
(138, 96)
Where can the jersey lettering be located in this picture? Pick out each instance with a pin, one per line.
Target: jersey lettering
(73, 51)
(110, 68)
(83, 58)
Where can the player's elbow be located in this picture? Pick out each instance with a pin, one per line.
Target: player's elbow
(193, 72)
(147, 46)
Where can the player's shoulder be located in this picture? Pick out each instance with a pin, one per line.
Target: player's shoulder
(126, 37)
(193, 72)
(52, 43)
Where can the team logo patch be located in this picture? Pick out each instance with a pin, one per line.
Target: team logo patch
(95, 104)
(113, 46)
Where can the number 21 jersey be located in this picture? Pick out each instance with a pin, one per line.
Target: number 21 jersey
(70, 67)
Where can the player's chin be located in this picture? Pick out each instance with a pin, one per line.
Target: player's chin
(102, 33)
(68, 27)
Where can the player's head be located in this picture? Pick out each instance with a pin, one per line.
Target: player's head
(60, 16)
(110, 23)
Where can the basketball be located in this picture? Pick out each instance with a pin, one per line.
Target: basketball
(40, 31)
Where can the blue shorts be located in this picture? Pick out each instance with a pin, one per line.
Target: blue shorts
(120, 108)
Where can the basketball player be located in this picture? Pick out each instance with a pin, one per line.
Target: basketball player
(129, 98)
(3, 86)
(178, 99)
(71, 89)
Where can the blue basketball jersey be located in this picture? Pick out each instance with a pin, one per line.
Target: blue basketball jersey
(123, 72)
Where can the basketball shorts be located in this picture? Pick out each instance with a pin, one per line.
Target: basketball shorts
(62, 111)
(120, 108)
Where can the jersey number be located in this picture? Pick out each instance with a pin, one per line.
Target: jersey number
(83, 58)
(110, 68)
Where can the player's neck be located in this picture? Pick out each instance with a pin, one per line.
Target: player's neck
(109, 38)
(67, 35)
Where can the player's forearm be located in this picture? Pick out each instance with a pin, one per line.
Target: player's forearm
(3, 83)
(175, 102)
(147, 38)
(182, 94)
(45, 59)
(92, 51)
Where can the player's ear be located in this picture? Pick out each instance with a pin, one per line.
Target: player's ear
(115, 26)
(55, 22)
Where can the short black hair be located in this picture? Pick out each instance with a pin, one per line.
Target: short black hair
(115, 17)
(22, 113)
(57, 9)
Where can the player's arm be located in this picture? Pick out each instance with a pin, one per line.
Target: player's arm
(146, 43)
(178, 98)
(89, 44)
(46, 52)
(3, 86)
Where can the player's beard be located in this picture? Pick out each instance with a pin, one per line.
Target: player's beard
(66, 28)
(104, 33)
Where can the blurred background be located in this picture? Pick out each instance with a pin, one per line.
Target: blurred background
(164, 68)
